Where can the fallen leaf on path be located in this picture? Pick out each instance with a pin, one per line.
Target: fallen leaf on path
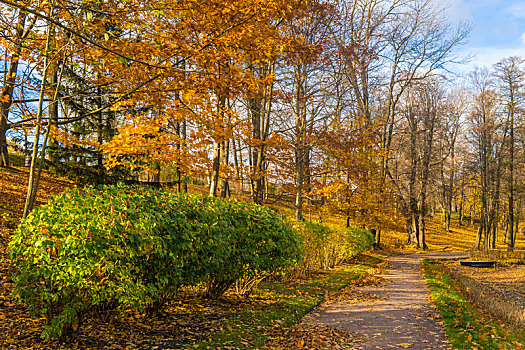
(311, 336)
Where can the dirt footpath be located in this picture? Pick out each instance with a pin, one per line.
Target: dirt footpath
(402, 317)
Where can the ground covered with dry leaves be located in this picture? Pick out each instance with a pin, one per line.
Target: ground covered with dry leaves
(309, 335)
(508, 278)
(312, 336)
(461, 238)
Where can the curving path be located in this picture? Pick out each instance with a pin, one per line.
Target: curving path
(402, 317)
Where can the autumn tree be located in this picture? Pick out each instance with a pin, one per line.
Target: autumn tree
(404, 42)
(454, 109)
(165, 74)
(487, 139)
(510, 75)
(422, 110)
(307, 86)
(16, 27)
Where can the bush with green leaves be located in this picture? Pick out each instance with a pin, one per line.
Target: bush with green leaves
(327, 246)
(261, 242)
(119, 246)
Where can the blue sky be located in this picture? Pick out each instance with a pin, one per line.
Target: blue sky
(498, 29)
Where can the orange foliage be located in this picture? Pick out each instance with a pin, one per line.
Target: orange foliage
(353, 183)
(198, 54)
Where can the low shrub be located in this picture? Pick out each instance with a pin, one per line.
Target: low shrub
(119, 246)
(327, 246)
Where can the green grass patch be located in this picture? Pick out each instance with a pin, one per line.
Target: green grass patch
(251, 327)
(465, 326)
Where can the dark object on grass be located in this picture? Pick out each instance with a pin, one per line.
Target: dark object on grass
(487, 263)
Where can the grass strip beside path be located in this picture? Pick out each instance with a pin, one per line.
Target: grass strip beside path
(251, 328)
(466, 327)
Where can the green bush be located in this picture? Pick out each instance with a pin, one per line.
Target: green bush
(98, 249)
(262, 242)
(327, 246)
(234, 241)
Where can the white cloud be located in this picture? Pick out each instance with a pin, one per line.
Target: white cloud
(516, 11)
(459, 11)
(523, 38)
(488, 56)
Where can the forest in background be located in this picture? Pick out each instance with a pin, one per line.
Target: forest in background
(349, 107)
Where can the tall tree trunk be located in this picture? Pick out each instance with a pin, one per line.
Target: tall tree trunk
(156, 173)
(421, 242)
(479, 232)
(413, 233)
(224, 183)
(299, 180)
(260, 108)
(217, 152)
(516, 223)
(450, 190)
(7, 91)
(511, 233)
(461, 203)
(495, 229)
(377, 237)
(54, 156)
(300, 134)
(32, 186)
(178, 172)
(100, 131)
(236, 164)
(214, 179)
(184, 136)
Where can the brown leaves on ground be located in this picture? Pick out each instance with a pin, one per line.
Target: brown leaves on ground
(312, 336)
(352, 294)
(368, 279)
(187, 320)
(460, 238)
(13, 189)
(349, 294)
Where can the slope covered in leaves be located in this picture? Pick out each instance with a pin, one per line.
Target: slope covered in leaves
(460, 238)
(13, 187)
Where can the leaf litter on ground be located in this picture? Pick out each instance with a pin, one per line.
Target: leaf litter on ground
(312, 336)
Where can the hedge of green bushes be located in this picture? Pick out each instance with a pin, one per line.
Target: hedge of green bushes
(99, 249)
